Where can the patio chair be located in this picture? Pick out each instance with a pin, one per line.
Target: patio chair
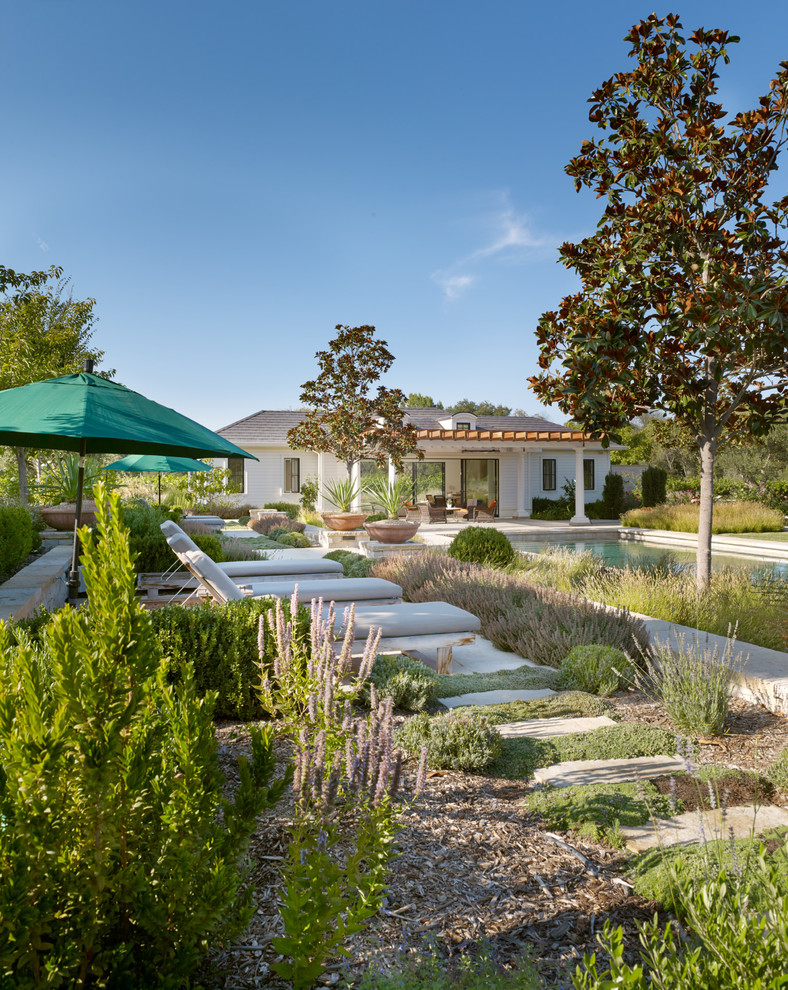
(173, 581)
(430, 514)
(221, 588)
(486, 513)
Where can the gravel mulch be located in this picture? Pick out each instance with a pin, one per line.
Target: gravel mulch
(475, 868)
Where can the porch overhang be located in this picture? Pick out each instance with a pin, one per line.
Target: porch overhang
(509, 436)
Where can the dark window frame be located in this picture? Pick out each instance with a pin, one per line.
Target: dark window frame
(288, 487)
(463, 425)
(549, 474)
(589, 470)
(235, 465)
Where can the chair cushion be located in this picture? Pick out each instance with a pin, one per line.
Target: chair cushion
(350, 590)
(285, 567)
(177, 539)
(220, 586)
(414, 619)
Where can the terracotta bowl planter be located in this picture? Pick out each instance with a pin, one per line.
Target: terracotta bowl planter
(62, 516)
(344, 520)
(391, 530)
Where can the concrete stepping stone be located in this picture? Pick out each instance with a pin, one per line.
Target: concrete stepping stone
(549, 728)
(686, 828)
(575, 772)
(494, 697)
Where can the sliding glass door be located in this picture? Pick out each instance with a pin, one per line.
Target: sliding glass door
(480, 481)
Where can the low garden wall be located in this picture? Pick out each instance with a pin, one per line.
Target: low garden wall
(42, 583)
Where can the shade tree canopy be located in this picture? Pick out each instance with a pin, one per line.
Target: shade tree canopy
(344, 415)
(683, 305)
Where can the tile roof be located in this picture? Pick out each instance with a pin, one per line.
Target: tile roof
(269, 427)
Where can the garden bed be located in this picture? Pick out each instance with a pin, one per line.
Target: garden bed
(476, 868)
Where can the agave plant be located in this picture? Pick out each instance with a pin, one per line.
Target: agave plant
(341, 494)
(391, 495)
(61, 476)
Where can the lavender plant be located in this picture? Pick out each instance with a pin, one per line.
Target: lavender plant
(693, 684)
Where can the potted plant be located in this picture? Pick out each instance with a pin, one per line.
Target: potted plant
(392, 496)
(342, 494)
(60, 486)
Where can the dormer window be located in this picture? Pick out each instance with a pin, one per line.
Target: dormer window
(462, 425)
(459, 421)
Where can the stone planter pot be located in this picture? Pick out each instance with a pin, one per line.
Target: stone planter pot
(391, 530)
(62, 516)
(344, 520)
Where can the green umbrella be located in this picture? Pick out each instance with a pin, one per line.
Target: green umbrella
(139, 463)
(92, 415)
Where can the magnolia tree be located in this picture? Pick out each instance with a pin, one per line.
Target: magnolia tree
(683, 307)
(344, 417)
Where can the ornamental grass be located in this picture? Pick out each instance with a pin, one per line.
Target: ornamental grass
(729, 517)
(540, 624)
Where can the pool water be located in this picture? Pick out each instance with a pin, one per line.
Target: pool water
(624, 553)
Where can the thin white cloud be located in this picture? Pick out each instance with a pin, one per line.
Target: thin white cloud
(453, 285)
(511, 237)
(41, 243)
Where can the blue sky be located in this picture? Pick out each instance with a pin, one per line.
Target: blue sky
(230, 181)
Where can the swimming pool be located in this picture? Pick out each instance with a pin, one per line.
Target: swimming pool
(626, 553)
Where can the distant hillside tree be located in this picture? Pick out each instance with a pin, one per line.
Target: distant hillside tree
(683, 307)
(416, 400)
(479, 408)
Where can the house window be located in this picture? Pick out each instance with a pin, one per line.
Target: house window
(588, 475)
(292, 474)
(235, 465)
(548, 474)
(462, 426)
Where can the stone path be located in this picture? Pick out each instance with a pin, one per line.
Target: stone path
(549, 728)
(687, 827)
(576, 772)
(495, 697)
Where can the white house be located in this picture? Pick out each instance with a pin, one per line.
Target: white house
(506, 459)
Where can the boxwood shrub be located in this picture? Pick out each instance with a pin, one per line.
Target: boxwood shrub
(18, 538)
(482, 545)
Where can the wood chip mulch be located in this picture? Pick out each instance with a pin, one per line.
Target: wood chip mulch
(475, 869)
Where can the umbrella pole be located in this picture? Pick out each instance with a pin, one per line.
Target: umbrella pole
(159, 487)
(73, 574)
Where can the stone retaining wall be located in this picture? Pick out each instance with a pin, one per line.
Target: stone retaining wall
(42, 583)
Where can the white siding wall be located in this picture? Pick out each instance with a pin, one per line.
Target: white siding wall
(565, 471)
(264, 478)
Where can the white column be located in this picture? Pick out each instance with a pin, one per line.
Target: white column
(579, 518)
(523, 486)
(321, 479)
(356, 476)
(392, 472)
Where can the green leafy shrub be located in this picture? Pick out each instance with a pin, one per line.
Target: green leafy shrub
(220, 645)
(482, 545)
(309, 492)
(290, 509)
(121, 860)
(297, 540)
(653, 483)
(613, 495)
(409, 684)
(18, 538)
(354, 565)
(525, 678)
(595, 669)
(551, 509)
(454, 742)
(376, 517)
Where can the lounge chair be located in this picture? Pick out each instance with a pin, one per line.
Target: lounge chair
(221, 587)
(259, 570)
(416, 626)
(431, 514)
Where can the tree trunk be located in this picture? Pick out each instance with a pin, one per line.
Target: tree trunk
(21, 463)
(707, 451)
